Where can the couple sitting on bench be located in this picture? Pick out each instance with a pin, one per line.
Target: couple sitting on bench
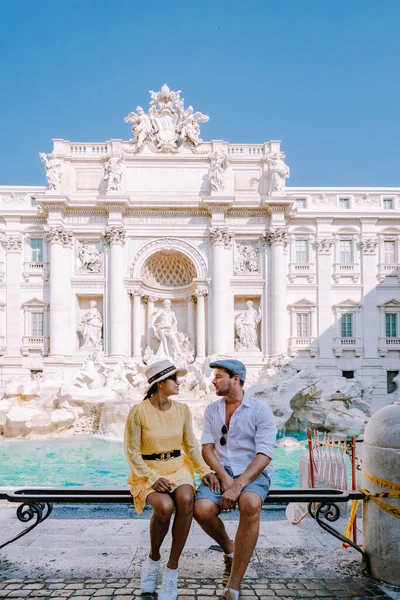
(237, 447)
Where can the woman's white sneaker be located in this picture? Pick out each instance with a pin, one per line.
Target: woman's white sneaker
(149, 578)
(169, 587)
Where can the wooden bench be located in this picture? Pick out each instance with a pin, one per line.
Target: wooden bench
(36, 504)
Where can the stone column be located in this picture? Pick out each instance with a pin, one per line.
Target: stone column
(324, 303)
(137, 324)
(265, 338)
(201, 323)
(13, 245)
(150, 309)
(220, 238)
(370, 325)
(115, 237)
(190, 318)
(60, 299)
(277, 239)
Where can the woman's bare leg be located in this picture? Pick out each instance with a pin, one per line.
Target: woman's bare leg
(163, 507)
(184, 500)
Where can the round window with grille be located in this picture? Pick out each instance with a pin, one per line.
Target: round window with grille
(168, 269)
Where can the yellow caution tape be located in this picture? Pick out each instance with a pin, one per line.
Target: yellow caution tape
(382, 482)
(389, 508)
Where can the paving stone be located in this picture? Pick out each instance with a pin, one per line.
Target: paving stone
(104, 592)
(19, 593)
(278, 586)
(56, 586)
(4, 593)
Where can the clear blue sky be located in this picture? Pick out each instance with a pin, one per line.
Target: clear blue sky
(320, 75)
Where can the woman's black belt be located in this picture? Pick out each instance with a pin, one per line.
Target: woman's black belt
(162, 456)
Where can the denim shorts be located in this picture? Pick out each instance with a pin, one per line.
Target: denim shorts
(259, 486)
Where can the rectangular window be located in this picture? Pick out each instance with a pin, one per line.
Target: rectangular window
(348, 374)
(388, 203)
(346, 325)
(346, 252)
(301, 252)
(389, 249)
(37, 250)
(344, 203)
(391, 324)
(301, 203)
(37, 324)
(390, 385)
(303, 328)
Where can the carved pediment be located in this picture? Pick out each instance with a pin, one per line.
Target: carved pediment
(393, 303)
(303, 303)
(349, 303)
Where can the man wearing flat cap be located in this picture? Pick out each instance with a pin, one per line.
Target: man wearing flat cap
(238, 439)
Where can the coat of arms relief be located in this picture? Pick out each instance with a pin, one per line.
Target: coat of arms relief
(168, 125)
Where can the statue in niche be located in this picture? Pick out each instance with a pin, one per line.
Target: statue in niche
(246, 328)
(246, 260)
(91, 326)
(113, 173)
(53, 171)
(168, 342)
(216, 171)
(90, 258)
(278, 172)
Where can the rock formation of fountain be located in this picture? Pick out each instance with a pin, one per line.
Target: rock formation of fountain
(98, 397)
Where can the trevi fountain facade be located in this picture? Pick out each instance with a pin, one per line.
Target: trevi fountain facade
(166, 245)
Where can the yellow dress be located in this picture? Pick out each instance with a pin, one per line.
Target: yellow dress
(149, 430)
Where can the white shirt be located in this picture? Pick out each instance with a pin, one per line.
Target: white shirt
(251, 430)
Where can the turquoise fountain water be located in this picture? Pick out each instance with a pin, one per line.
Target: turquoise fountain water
(97, 462)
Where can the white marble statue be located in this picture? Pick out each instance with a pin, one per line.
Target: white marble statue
(113, 174)
(167, 126)
(91, 326)
(169, 342)
(91, 260)
(216, 171)
(117, 376)
(53, 171)
(246, 328)
(278, 172)
(246, 259)
(143, 127)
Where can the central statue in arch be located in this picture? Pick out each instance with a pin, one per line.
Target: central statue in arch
(166, 340)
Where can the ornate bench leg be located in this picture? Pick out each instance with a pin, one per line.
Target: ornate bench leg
(28, 511)
(329, 512)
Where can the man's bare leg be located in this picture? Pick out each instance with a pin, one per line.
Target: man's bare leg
(206, 514)
(246, 536)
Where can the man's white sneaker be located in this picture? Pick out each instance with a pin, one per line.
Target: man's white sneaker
(169, 587)
(149, 578)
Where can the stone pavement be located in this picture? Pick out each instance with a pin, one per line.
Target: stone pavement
(189, 589)
(101, 557)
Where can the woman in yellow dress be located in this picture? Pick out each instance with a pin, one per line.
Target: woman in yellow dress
(163, 455)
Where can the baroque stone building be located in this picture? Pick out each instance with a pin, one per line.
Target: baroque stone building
(253, 268)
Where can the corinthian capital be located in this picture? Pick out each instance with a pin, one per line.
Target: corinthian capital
(115, 235)
(324, 246)
(277, 236)
(59, 235)
(13, 243)
(220, 236)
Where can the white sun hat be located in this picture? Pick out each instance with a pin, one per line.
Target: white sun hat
(162, 369)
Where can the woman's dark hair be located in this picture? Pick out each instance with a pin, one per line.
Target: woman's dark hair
(153, 390)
